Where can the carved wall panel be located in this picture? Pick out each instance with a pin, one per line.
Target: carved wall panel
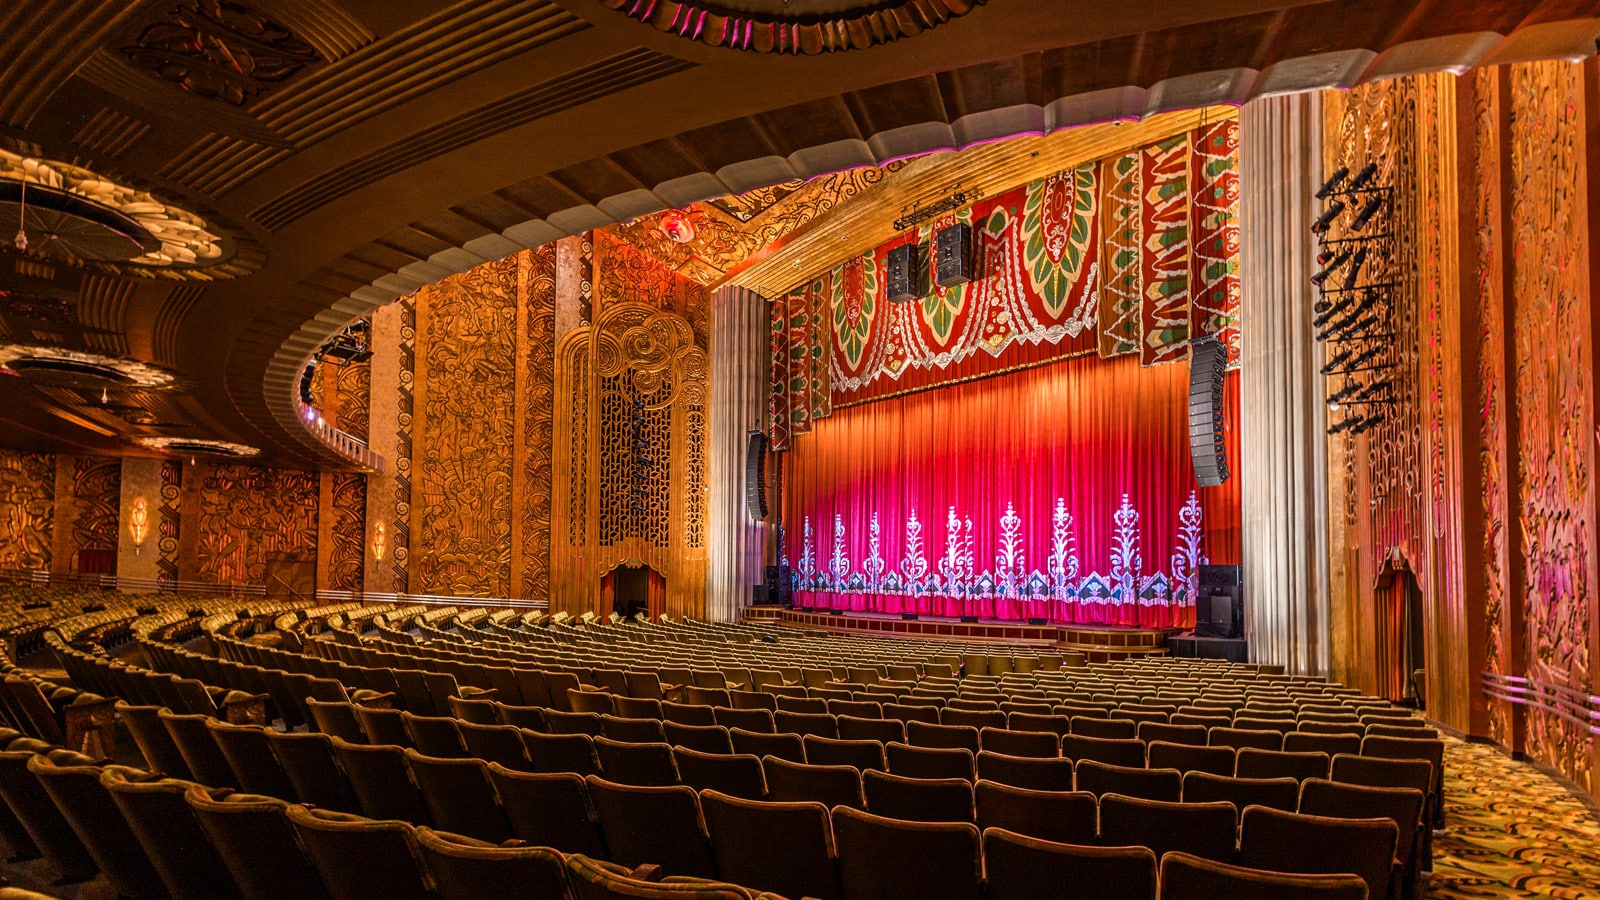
(348, 553)
(465, 390)
(537, 406)
(245, 515)
(27, 501)
(96, 503)
(1553, 378)
(352, 390)
(401, 528)
(1495, 400)
(169, 529)
(630, 465)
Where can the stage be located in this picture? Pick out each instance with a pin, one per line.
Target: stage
(1098, 643)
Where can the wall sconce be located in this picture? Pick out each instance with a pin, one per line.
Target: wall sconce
(379, 542)
(139, 523)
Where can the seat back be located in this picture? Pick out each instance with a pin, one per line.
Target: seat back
(548, 809)
(1187, 877)
(1187, 758)
(1150, 784)
(1290, 842)
(922, 734)
(1038, 744)
(632, 731)
(1027, 772)
(495, 743)
(941, 859)
(654, 824)
(1273, 793)
(786, 848)
(49, 830)
(86, 804)
(309, 764)
(435, 736)
(636, 764)
(1203, 829)
(1067, 817)
(256, 770)
(200, 753)
(783, 746)
(388, 855)
(253, 838)
(459, 796)
(593, 879)
(918, 799)
(829, 785)
(863, 755)
(465, 869)
(734, 774)
(382, 782)
(560, 752)
(1253, 763)
(1115, 751)
(1022, 868)
(171, 836)
(336, 718)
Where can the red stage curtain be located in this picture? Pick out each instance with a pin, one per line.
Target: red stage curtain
(1085, 430)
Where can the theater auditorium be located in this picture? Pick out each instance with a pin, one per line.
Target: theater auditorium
(785, 449)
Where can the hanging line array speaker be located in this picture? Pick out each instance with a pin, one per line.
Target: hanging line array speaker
(1208, 362)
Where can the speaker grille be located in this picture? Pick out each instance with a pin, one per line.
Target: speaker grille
(1208, 362)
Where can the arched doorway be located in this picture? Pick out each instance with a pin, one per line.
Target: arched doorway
(1400, 650)
(632, 588)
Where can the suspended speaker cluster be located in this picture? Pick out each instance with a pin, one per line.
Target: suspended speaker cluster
(1353, 313)
(1208, 365)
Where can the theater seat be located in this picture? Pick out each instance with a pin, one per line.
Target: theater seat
(1066, 817)
(657, 825)
(170, 834)
(786, 848)
(1186, 877)
(462, 868)
(254, 839)
(932, 860)
(548, 809)
(360, 858)
(1025, 868)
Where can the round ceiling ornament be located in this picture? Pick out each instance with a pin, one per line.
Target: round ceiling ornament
(197, 446)
(60, 367)
(796, 27)
(69, 211)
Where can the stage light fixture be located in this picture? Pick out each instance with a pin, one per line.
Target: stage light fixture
(1355, 267)
(1333, 182)
(1367, 212)
(1327, 217)
(1332, 265)
(1363, 176)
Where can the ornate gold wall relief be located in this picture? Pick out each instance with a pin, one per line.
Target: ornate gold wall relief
(347, 556)
(169, 530)
(462, 478)
(537, 406)
(1552, 321)
(27, 500)
(96, 502)
(630, 452)
(400, 528)
(245, 515)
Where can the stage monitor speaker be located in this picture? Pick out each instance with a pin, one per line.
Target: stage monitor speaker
(1208, 363)
(755, 474)
(969, 620)
(909, 617)
(905, 276)
(780, 584)
(953, 251)
(1038, 621)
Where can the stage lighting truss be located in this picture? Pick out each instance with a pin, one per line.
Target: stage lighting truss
(1353, 314)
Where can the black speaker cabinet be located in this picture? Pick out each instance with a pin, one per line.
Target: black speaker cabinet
(953, 252)
(905, 276)
(755, 474)
(1208, 361)
(779, 584)
(1219, 608)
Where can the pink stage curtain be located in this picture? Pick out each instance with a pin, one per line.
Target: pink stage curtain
(1086, 436)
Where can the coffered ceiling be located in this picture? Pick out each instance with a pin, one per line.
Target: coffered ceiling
(343, 152)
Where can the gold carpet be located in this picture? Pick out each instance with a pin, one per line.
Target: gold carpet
(1511, 832)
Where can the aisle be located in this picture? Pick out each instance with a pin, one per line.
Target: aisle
(1513, 832)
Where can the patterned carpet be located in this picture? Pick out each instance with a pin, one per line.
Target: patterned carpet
(1513, 832)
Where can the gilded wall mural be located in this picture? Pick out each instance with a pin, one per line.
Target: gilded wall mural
(1552, 323)
(461, 480)
(246, 514)
(27, 501)
(401, 521)
(1488, 120)
(96, 503)
(169, 529)
(347, 557)
(629, 454)
(537, 281)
